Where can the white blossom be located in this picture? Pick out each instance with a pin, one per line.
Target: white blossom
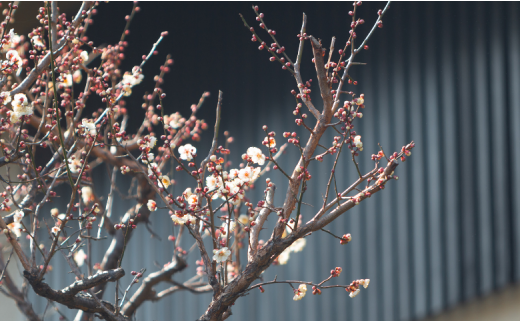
(354, 293)
(152, 205)
(243, 219)
(246, 174)
(358, 143)
(77, 76)
(191, 198)
(221, 254)
(256, 155)
(12, 60)
(55, 230)
(179, 219)
(18, 216)
(84, 56)
(15, 228)
(89, 127)
(152, 141)
(187, 151)
(213, 182)
(86, 194)
(5, 97)
(21, 107)
(37, 43)
(300, 292)
(152, 167)
(233, 173)
(79, 257)
(14, 40)
(165, 180)
(283, 258)
(67, 81)
(74, 165)
(270, 142)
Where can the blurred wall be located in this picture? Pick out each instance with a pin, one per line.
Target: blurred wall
(446, 75)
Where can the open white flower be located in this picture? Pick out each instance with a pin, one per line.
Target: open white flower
(176, 218)
(74, 165)
(256, 155)
(165, 180)
(149, 158)
(5, 97)
(14, 60)
(15, 228)
(366, 282)
(354, 293)
(79, 257)
(246, 174)
(221, 254)
(233, 173)
(89, 127)
(283, 258)
(21, 107)
(37, 43)
(243, 219)
(236, 196)
(18, 216)
(19, 101)
(55, 230)
(300, 292)
(77, 76)
(67, 80)
(152, 142)
(191, 198)
(358, 143)
(174, 121)
(84, 56)
(132, 79)
(213, 182)
(270, 142)
(87, 195)
(152, 205)
(187, 151)
(14, 40)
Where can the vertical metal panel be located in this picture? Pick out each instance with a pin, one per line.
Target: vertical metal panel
(513, 65)
(403, 235)
(433, 167)
(498, 146)
(481, 68)
(415, 171)
(451, 169)
(464, 141)
(383, 134)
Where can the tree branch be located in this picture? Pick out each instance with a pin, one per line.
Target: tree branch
(259, 223)
(71, 296)
(146, 291)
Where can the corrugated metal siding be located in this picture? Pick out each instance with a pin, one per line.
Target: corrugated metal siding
(446, 75)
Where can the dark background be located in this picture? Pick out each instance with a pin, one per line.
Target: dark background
(446, 75)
